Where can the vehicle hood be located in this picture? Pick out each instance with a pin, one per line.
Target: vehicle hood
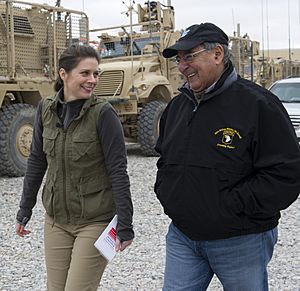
(292, 108)
(118, 64)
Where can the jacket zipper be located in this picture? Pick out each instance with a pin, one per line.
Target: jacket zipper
(196, 105)
(64, 177)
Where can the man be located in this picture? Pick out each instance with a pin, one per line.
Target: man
(229, 162)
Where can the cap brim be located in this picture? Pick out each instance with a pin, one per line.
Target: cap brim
(183, 45)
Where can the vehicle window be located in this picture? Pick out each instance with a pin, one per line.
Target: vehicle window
(287, 92)
(121, 48)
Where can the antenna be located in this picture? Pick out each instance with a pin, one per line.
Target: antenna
(57, 4)
(267, 13)
(149, 13)
(299, 11)
(129, 12)
(262, 30)
(289, 31)
(233, 20)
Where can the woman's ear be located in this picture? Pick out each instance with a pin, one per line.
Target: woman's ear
(62, 73)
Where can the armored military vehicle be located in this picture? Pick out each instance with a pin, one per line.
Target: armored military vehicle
(32, 36)
(135, 77)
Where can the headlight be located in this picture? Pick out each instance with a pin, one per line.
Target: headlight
(143, 87)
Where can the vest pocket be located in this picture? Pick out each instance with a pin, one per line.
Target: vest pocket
(95, 198)
(82, 149)
(48, 198)
(85, 145)
(49, 137)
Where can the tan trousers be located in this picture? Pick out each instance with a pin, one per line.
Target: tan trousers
(72, 261)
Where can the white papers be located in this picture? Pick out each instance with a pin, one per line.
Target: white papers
(106, 243)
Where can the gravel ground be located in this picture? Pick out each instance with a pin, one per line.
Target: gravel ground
(141, 266)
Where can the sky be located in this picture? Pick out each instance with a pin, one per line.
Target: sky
(274, 23)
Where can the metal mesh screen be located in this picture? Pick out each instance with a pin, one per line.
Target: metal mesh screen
(39, 36)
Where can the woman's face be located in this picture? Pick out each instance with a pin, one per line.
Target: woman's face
(80, 82)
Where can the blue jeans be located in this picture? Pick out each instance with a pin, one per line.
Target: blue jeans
(240, 263)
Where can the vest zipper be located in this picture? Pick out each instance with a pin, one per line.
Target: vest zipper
(64, 177)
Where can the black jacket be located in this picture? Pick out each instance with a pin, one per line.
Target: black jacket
(229, 164)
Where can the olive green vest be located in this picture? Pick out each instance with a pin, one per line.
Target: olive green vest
(77, 188)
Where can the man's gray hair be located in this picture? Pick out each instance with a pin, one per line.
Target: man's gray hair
(211, 45)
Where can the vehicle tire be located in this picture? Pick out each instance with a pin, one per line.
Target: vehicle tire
(148, 126)
(16, 128)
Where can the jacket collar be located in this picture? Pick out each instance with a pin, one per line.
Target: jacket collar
(227, 78)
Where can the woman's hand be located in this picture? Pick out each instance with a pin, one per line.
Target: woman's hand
(121, 246)
(21, 231)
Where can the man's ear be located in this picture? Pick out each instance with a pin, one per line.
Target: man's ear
(219, 53)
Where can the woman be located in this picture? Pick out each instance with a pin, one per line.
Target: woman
(79, 140)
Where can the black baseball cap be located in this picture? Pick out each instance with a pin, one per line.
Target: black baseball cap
(196, 35)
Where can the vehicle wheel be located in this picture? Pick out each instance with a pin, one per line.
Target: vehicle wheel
(16, 128)
(148, 126)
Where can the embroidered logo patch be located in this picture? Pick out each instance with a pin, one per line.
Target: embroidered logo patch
(227, 136)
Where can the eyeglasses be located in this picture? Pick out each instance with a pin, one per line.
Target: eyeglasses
(188, 57)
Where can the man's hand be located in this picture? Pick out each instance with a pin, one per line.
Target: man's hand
(21, 231)
(121, 246)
